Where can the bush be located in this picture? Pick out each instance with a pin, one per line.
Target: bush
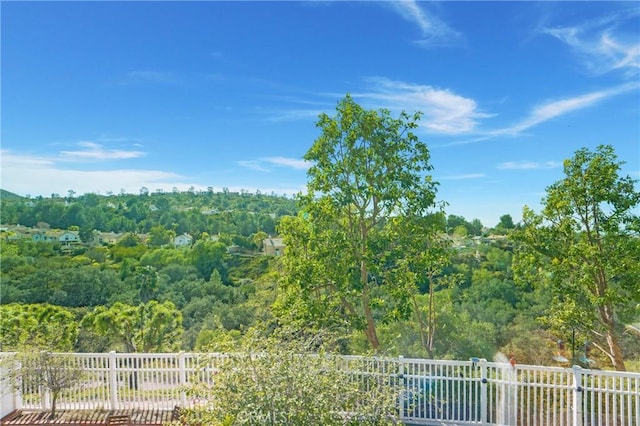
(272, 381)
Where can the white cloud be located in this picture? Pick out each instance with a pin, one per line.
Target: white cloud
(550, 110)
(36, 175)
(463, 177)
(560, 107)
(601, 44)
(434, 31)
(294, 163)
(410, 11)
(528, 165)
(253, 165)
(266, 164)
(94, 151)
(293, 114)
(444, 112)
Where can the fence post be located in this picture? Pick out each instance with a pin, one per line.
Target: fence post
(45, 403)
(113, 380)
(484, 403)
(182, 378)
(577, 395)
(17, 391)
(401, 382)
(17, 397)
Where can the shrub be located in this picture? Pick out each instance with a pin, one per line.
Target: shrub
(275, 381)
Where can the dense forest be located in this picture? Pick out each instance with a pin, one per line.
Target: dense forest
(382, 266)
(221, 281)
(51, 288)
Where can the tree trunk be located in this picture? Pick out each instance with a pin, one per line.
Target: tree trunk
(372, 335)
(133, 376)
(432, 315)
(424, 338)
(615, 353)
(54, 400)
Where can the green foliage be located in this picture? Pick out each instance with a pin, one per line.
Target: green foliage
(150, 327)
(9, 195)
(37, 325)
(208, 256)
(369, 173)
(426, 298)
(585, 246)
(226, 212)
(506, 222)
(292, 381)
(34, 368)
(57, 281)
(159, 236)
(158, 259)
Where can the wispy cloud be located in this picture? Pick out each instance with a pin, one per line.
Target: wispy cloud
(553, 109)
(253, 165)
(528, 165)
(38, 175)
(293, 114)
(463, 176)
(548, 111)
(293, 163)
(434, 31)
(602, 44)
(94, 151)
(444, 111)
(268, 163)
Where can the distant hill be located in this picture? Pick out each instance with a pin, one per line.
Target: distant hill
(9, 195)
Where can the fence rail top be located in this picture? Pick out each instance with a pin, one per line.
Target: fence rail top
(397, 360)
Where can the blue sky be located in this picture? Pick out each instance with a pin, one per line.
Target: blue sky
(112, 96)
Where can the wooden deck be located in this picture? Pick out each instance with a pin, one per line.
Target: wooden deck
(86, 417)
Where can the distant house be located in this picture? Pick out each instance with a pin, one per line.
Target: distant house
(39, 237)
(183, 240)
(66, 237)
(69, 237)
(273, 246)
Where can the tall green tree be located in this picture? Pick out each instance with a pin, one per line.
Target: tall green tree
(147, 283)
(151, 327)
(585, 243)
(369, 172)
(159, 236)
(208, 256)
(40, 325)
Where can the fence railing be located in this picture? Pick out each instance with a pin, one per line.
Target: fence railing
(473, 392)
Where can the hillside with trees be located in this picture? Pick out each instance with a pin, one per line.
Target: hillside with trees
(370, 255)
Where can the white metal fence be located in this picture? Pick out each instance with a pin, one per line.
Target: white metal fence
(432, 391)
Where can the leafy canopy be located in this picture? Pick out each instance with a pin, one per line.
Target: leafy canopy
(368, 181)
(585, 245)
